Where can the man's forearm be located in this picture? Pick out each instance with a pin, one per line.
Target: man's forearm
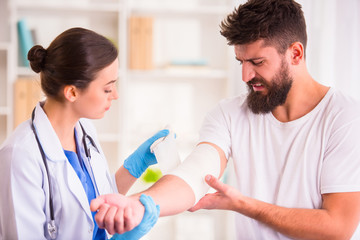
(173, 195)
(298, 223)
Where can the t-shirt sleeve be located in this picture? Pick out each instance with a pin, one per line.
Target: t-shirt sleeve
(341, 165)
(215, 129)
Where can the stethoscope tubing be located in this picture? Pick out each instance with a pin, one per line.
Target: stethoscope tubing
(52, 230)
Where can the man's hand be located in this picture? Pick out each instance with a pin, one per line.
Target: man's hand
(225, 197)
(117, 213)
(337, 218)
(151, 216)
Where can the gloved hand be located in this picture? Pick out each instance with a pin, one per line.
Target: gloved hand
(150, 217)
(142, 158)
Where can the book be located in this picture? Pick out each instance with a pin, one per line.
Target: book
(147, 31)
(141, 43)
(135, 43)
(26, 41)
(27, 94)
(20, 102)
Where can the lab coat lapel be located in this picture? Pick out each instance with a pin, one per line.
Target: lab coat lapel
(77, 188)
(54, 152)
(74, 182)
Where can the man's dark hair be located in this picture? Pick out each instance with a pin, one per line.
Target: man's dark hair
(278, 22)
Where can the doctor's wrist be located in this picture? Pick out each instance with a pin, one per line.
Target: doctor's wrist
(135, 166)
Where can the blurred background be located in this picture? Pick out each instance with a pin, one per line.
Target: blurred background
(174, 67)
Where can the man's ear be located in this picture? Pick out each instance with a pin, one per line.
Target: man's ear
(70, 93)
(297, 53)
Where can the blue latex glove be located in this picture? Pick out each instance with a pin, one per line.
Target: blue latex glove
(142, 158)
(150, 217)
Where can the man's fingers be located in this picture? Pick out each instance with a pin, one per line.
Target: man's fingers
(215, 183)
(99, 216)
(109, 220)
(199, 204)
(96, 203)
(119, 222)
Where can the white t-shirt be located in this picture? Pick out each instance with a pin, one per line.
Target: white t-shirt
(288, 164)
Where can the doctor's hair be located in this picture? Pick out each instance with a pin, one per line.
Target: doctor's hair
(72, 58)
(279, 23)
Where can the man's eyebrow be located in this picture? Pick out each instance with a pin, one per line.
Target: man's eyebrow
(250, 59)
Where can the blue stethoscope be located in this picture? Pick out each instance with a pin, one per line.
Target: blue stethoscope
(51, 227)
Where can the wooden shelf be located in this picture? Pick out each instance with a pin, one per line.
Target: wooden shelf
(179, 73)
(25, 71)
(4, 46)
(67, 6)
(181, 11)
(4, 110)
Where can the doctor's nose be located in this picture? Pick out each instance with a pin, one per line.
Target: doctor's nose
(114, 94)
(248, 72)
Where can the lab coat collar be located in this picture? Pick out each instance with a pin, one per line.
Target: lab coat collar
(50, 142)
(47, 136)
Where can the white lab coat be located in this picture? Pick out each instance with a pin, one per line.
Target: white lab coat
(24, 194)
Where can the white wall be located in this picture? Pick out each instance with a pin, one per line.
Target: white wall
(333, 43)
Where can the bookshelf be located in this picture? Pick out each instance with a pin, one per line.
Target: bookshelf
(191, 68)
(5, 55)
(5, 88)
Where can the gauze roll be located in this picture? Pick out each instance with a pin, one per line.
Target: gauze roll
(203, 160)
(166, 153)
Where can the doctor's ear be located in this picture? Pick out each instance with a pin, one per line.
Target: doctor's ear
(70, 93)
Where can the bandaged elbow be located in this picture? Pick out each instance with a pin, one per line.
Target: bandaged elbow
(202, 161)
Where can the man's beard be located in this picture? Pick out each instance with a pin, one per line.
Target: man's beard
(276, 95)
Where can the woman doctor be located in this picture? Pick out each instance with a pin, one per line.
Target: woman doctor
(52, 166)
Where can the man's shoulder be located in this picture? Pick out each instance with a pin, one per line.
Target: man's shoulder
(339, 102)
(341, 109)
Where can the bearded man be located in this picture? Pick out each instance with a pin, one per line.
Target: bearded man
(294, 141)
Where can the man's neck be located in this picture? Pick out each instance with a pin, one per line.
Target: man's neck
(303, 97)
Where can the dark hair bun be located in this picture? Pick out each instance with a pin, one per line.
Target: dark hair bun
(36, 56)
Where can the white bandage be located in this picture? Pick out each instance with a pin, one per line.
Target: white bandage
(165, 150)
(202, 161)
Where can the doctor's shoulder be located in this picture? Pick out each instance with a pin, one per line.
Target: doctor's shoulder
(20, 147)
(21, 134)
